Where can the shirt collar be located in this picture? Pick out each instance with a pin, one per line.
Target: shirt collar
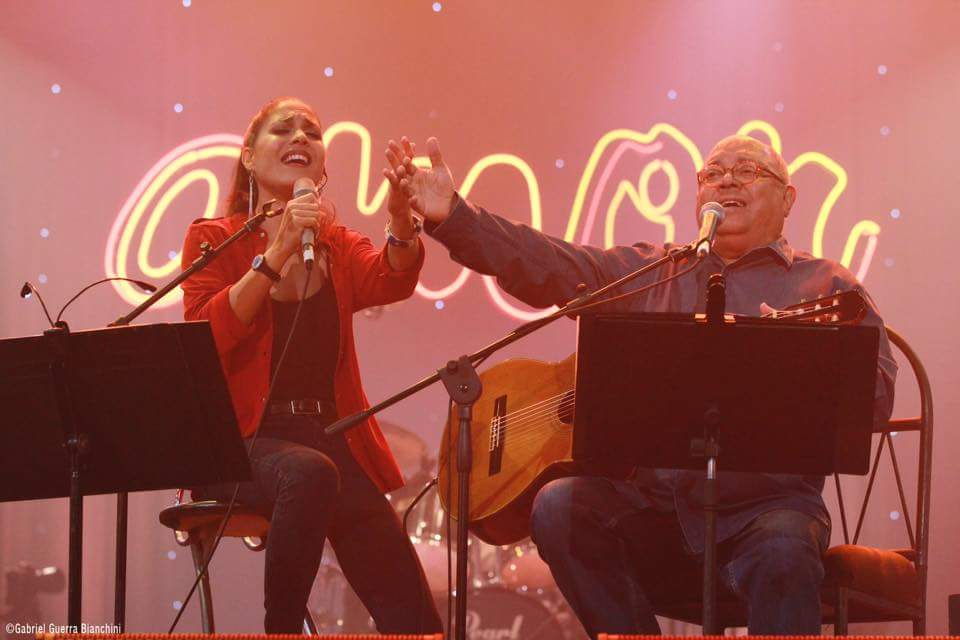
(780, 249)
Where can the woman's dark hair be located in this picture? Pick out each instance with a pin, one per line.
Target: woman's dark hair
(238, 199)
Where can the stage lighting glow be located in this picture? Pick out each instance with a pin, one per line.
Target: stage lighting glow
(778, 107)
(42, 278)
(44, 233)
(888, 262)
(778, 46)
(672, 94)
(55, 89)
(127, 221)
(884, 130)
(177, 605)
(171, 555)
(328, 71)
(882, 69)
(895, 213)
(640, 198)
(187, 3)
(437, 7)
(894, 515)
(597, 181)
(178, 108)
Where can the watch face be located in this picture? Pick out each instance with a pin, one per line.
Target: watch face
(257, 261)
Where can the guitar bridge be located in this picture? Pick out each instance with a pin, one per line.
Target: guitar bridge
(498, 434)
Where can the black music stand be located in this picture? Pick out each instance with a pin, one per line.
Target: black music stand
(667, 391)
(135, 408)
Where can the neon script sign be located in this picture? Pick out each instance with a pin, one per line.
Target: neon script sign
(134, 228)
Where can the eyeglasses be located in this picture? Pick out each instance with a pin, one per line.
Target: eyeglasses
(744, 172)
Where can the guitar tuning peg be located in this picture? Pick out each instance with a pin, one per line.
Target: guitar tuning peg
(818, 319)
(802, 300)
(817, 307)
(836, 292)
(835, 317)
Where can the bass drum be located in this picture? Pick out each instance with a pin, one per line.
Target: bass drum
(501, 614)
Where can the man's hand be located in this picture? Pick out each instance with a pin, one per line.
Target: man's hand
(429, 191)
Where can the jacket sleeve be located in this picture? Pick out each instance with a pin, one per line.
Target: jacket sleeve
(886, 365)
(374, 281)
(206, 294)
(532, 266)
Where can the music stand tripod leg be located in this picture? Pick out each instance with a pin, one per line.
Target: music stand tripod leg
(711, 451)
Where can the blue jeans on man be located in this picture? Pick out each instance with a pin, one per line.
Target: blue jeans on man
(610, 558)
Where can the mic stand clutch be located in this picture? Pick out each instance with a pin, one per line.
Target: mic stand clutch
(208, 254)
(462, 383)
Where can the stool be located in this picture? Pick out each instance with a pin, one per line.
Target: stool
(195, 524)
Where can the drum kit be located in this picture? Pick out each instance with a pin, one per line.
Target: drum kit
(513, 598)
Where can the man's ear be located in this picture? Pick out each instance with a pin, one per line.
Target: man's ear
(789, 197)
(246, 158)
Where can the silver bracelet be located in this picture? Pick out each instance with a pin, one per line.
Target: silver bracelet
(394, 241)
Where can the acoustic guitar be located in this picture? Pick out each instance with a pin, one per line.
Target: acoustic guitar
(522, 431)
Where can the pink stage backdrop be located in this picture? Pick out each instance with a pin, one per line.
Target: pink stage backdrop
(587, 120)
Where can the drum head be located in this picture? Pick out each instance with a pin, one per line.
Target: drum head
(501, 614)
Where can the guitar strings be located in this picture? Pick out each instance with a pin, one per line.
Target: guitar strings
(523, 422)
(522, 415)
(547, 416)
(519, 413)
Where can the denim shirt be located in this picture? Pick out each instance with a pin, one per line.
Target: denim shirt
(542, 271)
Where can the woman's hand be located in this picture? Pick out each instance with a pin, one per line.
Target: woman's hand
(306, 212)
(429, 191)
(398, 204)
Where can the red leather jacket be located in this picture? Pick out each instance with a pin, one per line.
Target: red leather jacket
(362, 277)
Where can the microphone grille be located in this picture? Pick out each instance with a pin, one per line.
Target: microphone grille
(303, 186)
(716, 207)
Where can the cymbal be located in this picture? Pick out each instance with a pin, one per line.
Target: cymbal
(410, 451)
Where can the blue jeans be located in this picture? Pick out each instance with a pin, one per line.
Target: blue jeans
(611, 558)
(316, 490)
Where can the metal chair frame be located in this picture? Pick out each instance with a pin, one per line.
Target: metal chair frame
(918, 533)
(838, 600)
(200, 540)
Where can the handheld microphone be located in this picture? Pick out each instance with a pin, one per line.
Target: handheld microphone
(302, 187)
(711, 215)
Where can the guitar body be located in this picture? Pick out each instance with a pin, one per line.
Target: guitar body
(522, 431)
(522, 436)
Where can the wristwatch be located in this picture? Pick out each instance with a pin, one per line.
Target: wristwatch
(260, 264)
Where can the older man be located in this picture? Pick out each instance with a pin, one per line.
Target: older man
(611, 545)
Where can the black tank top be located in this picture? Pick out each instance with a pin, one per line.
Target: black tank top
(311, 359)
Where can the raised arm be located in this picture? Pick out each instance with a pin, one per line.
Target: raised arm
(530, 265)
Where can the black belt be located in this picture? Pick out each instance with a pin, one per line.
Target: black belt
(304, 407)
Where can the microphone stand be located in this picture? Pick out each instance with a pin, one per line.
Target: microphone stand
(464, 387)
(709, 449)
(207, 255)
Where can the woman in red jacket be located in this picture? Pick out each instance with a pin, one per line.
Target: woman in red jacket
(318, 487)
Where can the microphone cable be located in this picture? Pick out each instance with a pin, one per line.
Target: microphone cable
(406, 516)
(236, 490)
